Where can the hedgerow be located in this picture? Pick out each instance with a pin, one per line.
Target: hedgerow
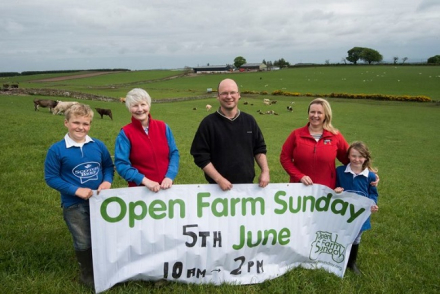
(419, 98)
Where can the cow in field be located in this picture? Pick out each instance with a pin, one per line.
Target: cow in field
(45, 103)
(62, 107)
(103, 111)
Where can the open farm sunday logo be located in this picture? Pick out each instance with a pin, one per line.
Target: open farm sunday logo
(324, 244)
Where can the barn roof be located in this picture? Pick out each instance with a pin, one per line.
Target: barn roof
(251, 64)
(211, 67)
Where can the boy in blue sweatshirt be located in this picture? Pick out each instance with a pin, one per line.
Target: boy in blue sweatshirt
(75, 166)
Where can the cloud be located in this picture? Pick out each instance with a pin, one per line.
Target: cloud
(428, 4)
(68, 34)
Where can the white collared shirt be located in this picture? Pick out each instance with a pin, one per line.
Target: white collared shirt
(71, 143)
(364, 173)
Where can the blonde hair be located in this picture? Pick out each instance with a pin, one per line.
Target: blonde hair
(137, 95)
(327, 124)
(362, 148)
(79, 109)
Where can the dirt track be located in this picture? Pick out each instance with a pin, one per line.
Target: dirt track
(87, 75)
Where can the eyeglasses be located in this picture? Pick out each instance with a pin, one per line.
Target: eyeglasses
(225, 94)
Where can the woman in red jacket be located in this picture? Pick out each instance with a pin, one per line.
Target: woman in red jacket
(309, 153)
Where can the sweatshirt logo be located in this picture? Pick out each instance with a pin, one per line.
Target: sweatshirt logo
(87, 171)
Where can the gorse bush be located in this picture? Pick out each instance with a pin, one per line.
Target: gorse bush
(357, 96)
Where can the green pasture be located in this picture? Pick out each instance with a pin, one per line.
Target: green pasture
(361, 79)
(399, 254)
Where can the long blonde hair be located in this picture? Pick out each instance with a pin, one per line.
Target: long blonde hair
(327, 124)
(362, 148)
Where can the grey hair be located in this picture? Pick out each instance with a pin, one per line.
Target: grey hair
(135, 96)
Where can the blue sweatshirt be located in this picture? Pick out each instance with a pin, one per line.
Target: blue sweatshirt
(69, 167)
(359, 184)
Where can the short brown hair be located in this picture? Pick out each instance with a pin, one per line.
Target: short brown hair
(79, 109)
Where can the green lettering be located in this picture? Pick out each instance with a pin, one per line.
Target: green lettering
(312, 203)
(223, 209)
(343, 208)
(354, 214)
(325, 200)
(267, 233)
(132, 216)
(155, 209)
(122, 206)
(249, 239)
(172, 204)
(278, 200)
(201, 203)
(284, 236)
(253, 202)
(241, 238)
(298, 205)
(234, 202)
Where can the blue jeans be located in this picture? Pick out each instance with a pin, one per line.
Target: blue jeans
(77, 218)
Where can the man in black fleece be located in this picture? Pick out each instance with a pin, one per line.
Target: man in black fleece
(227, 142)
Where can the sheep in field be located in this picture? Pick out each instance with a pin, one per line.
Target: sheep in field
(208, 107)
(62, 107)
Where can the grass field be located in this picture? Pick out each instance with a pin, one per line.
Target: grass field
(388, 80)
(399, 254)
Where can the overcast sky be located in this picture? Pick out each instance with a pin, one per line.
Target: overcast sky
(151, 34)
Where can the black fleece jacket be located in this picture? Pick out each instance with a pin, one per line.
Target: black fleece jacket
(230, 145)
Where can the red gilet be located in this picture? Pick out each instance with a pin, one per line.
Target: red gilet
(149, 154)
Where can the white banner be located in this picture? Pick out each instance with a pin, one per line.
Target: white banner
(201, 234)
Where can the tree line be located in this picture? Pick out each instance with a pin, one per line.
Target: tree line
(355, 55)
(240, 60)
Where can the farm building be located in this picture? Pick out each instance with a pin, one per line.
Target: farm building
(213, 69)
(253, 66)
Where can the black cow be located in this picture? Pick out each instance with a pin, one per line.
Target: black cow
(45, 103)
(103, 111)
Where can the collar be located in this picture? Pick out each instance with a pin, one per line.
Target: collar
(219, 111)
(362, 173)
(304, 132)
(71, 143)
(138, 124)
